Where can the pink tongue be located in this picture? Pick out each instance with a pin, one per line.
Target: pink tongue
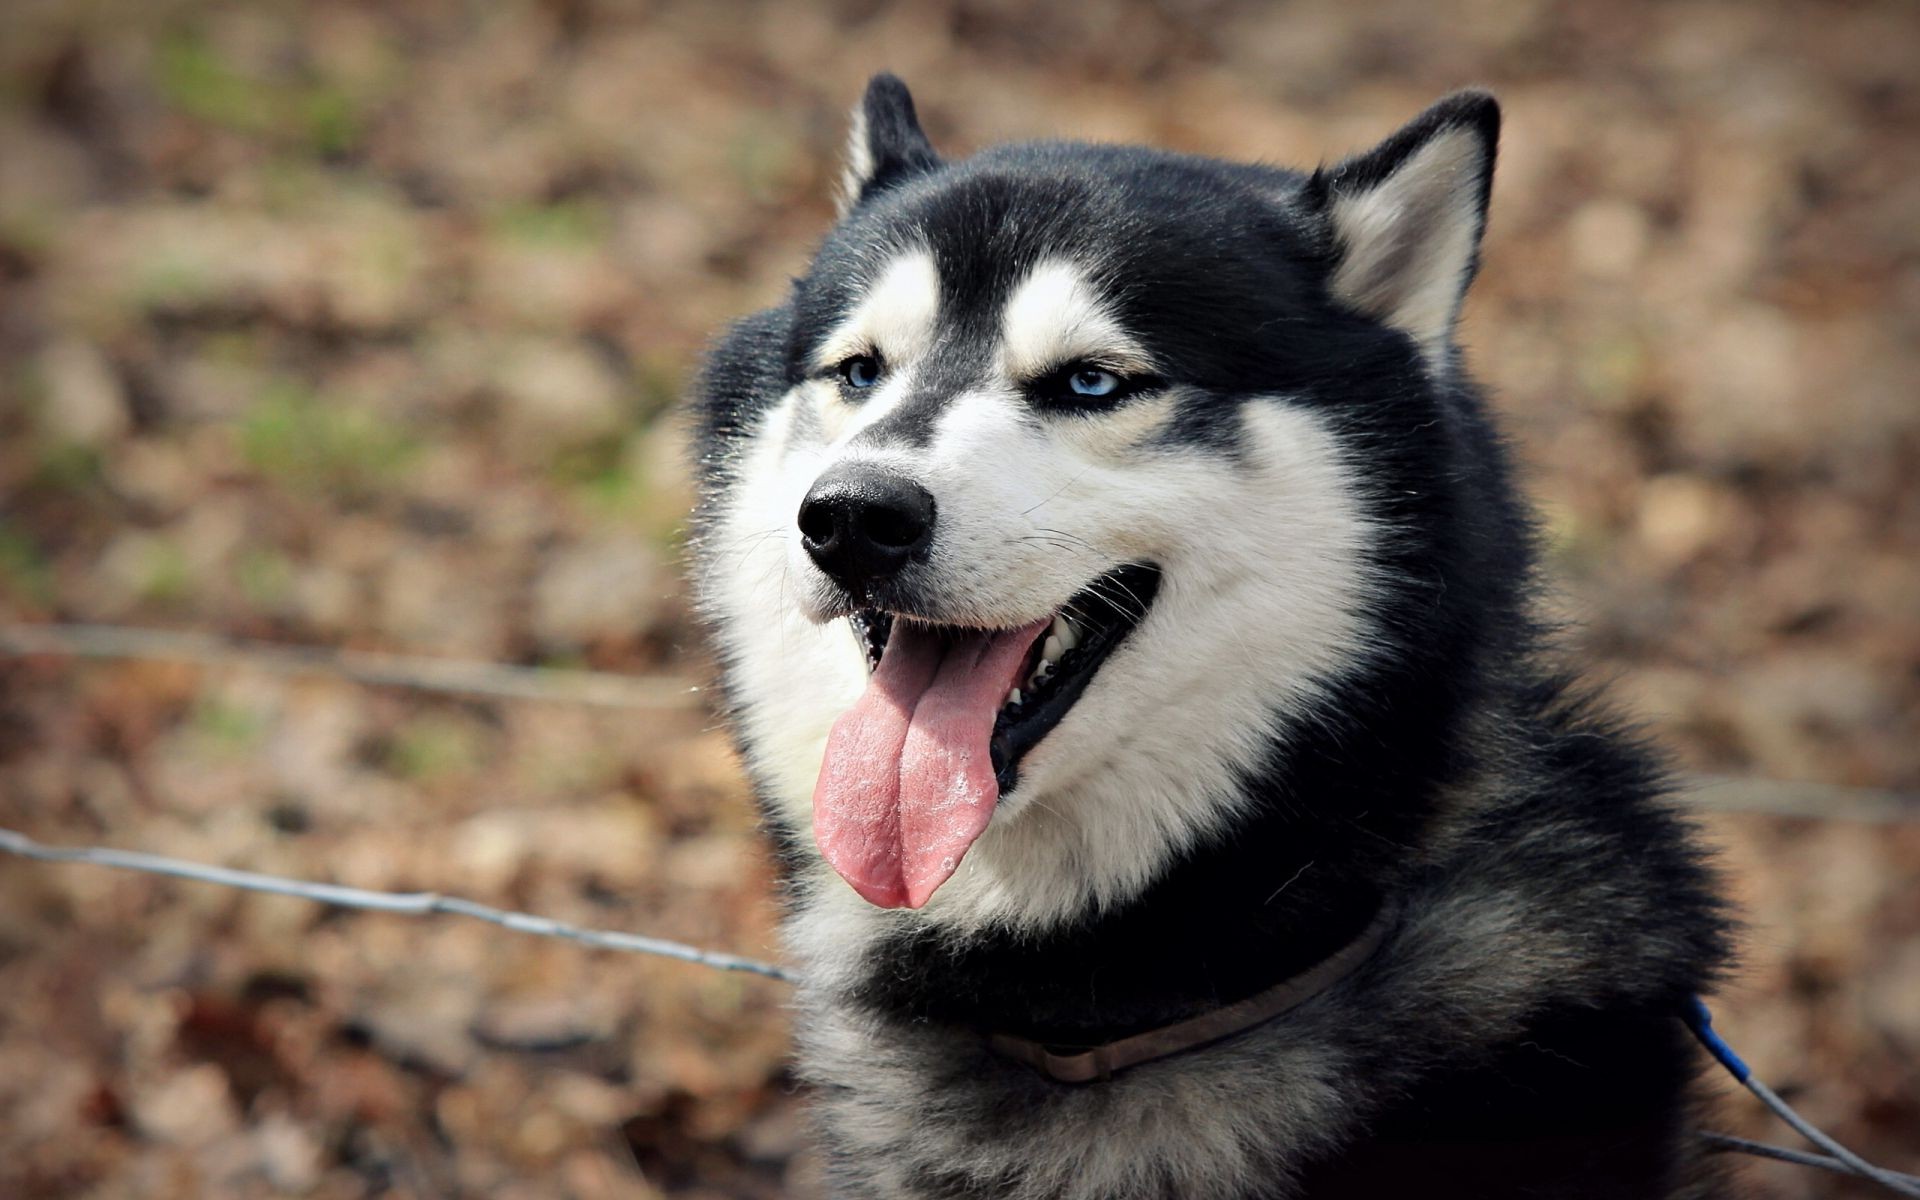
(907, 783)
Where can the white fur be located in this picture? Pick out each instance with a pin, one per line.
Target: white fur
(1408, 242)
(896, 317)
(858, 167)
(1194, 1128)
(1054, 317)
(748, 583)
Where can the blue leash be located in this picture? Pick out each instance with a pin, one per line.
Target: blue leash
(1837, 1157)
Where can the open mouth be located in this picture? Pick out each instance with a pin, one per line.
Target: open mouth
(912, 772)
(1062, 660)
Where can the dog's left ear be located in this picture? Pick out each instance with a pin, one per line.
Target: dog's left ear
(1406, 218)
(885, 143)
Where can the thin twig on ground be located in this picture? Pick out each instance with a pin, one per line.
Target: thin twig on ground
(409, 903)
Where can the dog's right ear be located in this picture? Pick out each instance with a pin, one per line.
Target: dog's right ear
(885, 144)
(1406, 218)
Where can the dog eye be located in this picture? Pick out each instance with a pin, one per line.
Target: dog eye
(1093, 382)
(861, 371)
(1087, 385)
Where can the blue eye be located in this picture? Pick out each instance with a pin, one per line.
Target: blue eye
(861, 371)
(1091, 381)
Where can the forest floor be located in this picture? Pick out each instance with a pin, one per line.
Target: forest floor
(348, 325)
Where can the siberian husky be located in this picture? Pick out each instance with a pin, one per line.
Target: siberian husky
(1122, 601)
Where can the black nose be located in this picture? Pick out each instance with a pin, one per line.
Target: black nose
(861, 524)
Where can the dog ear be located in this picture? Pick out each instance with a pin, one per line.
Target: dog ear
(885, 144)
(1406, 218)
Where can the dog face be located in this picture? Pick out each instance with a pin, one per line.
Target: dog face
(1066, 482)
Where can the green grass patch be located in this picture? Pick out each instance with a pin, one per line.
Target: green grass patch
(590, 462)
(330, 119)
(320, 115)
(195, 81)
(605, 477)
(230, 728)
(310, 443)
(67, 467)
(265, 578)
(24, 573)
(575, 224)
(165, 577)
(431, 747)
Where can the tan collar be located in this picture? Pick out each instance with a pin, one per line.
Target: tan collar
(1100, 1062)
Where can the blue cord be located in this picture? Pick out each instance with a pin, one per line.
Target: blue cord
(1700, 1021)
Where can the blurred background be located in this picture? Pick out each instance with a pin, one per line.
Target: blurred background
(357, 325)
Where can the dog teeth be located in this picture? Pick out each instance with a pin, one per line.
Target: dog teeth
(1064, 630)
(1052, 649)
(1013, 698)
(1040, 674)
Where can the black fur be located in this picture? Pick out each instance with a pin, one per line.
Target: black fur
(895, 146)
(1461, 764)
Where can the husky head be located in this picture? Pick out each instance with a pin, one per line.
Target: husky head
(1067, 487)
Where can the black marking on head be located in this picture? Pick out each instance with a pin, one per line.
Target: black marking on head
(1178, 247)
(939, 378)
(1205, 421)
(1222, 272)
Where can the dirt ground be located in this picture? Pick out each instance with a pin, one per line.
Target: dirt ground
(354, 325)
